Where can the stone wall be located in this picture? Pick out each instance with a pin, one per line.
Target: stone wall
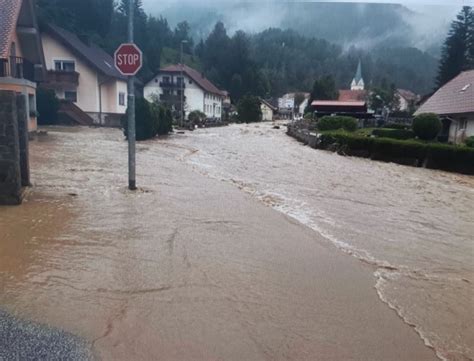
(14, 165)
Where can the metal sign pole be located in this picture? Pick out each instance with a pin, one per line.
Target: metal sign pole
(131, 110)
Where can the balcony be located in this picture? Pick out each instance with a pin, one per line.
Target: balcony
(16, 67)
(63, 78)
(171, 98)
(172, 85)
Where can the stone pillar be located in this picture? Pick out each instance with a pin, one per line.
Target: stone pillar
(10, 174)
(23, 116)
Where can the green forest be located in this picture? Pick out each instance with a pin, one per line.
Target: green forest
(267, 63)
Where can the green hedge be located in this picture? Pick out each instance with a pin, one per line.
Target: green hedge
(402, 134)
(396, 126)
(434, 155)
(337, 122)
(470, 142)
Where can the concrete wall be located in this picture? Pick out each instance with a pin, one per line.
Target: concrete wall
(14, 162)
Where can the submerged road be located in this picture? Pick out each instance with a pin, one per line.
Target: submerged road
(187, 268)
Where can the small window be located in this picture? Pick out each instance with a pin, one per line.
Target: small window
(166, 79)
(190, 81)
(70, 96)
(122, 99)
(64, 65)
(463, 123)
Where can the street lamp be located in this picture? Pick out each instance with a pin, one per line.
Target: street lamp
(184, 41)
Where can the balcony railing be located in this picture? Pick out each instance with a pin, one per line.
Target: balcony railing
(62, 77)
(16, 67)
(171, 98)
(172, 85)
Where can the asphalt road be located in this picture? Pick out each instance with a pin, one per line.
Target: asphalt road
(23, 340)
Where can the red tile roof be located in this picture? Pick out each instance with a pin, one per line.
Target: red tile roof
(9, 11)
(352, 95)
(200, 80)
(338, 103)
(455, 97)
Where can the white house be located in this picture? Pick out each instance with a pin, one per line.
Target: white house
(454, 103)
(268, 110)
(84, 77)
(407, 99)
(176, 83)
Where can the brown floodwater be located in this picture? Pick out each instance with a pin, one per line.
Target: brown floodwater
(190, 267)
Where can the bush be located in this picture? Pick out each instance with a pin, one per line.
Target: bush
(394, 133)
(427, 126)
(438, 156)
(337, 122)
(47, 105)
(150, 119)
(196, 117)
(470, 142)
(308, 116)
(397, 126)
(249, 110)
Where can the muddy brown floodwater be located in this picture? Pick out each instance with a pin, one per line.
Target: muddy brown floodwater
(240, 244)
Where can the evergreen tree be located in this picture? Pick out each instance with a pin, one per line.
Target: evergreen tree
(458, 47)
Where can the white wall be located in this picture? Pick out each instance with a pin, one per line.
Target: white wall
(267, 112)
(196, 97)
(456, 134)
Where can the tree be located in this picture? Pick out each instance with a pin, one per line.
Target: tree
(324, 89)
(458, 49)
(249, 110)
(427, 126)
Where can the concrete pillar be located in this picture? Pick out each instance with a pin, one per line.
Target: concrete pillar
(10, 174)
(23, 117)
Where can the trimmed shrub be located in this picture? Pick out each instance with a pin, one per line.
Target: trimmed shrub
(437, 155)
(427, 126)
(196, 117)
(402, 134)
(397, 126)
(151, 119)
(470, 142)
(47, 105)
(337, 122)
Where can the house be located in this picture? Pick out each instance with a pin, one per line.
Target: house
(355, 109)
(84, 77)
(407, 100)
(177, 85)
(21, 53)
(454, 103)
(268, 110)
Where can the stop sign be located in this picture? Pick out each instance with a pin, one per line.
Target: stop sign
(128, 59)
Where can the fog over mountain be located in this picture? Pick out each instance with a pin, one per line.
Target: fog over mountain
(419, 24)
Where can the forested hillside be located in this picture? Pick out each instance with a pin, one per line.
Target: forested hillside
(267, 63)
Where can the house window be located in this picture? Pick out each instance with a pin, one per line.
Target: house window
(463, 123)
(64, 65)
(190, 81)
(179, 80)
(70, 96)
(166, 79)
(122, 99)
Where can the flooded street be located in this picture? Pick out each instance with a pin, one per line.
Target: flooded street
(240, 244)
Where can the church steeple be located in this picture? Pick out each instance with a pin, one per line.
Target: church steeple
(358, 81)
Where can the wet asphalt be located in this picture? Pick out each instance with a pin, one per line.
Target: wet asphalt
(24, 340)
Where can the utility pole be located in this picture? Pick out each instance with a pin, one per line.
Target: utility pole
(184, 41)
(131, 110)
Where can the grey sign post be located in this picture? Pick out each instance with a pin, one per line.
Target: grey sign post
(128, 61)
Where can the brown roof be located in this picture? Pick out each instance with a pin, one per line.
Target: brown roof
(9, 11)
(352, 95)
(92, 54)
(200, 80)
(407, 94)
(455, 97)
(338, 103)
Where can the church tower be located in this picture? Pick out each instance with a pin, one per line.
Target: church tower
(358, 81)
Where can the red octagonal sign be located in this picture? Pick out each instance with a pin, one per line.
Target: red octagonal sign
(128, 59)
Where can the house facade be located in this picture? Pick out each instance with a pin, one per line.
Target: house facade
(83, 76)
(180, 86)
(268, 110)
(407, 99)
(454, 103)
(21, 53)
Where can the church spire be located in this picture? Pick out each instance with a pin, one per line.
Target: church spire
(358, 81)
